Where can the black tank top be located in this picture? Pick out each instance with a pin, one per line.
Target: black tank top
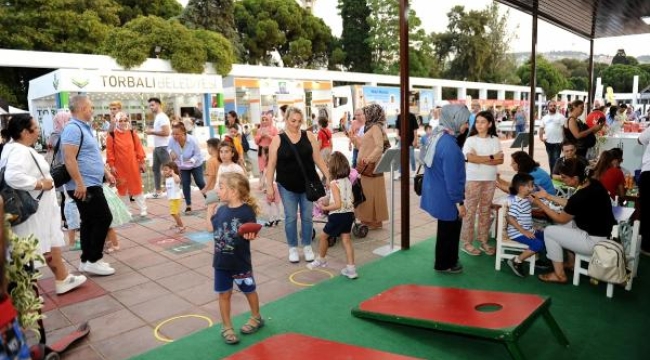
(288, 173)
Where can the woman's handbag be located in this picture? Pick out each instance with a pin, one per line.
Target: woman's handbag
(357, 193)
(367, 169)
(314, 189)
(18, 203)
(417, 182)
(58, 171)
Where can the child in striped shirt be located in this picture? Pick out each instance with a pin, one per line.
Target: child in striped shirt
(520, 221)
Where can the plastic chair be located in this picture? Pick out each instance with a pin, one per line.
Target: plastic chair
(632, 247)
(506, 248)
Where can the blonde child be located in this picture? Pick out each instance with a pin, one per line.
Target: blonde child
(482, 149)
(229, 159)
(232, 253)
(273, 211)
(341, 215)
(174, 195)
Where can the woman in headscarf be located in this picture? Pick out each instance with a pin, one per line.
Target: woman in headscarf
(375, 209)
(443, 187)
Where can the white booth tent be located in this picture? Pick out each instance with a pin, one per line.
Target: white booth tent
(50, 93)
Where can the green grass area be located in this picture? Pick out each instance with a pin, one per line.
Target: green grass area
(597, 327)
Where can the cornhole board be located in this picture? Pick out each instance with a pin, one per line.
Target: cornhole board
(307, 347)
(492, 315)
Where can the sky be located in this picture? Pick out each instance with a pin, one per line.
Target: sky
(433, 14)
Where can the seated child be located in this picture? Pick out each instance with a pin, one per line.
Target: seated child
(520, 221)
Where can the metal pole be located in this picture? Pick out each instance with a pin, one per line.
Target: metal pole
(590, 82)
(404, 111)
(533, 82)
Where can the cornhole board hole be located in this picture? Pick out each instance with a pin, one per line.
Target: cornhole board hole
(307, 347)
(492, 315)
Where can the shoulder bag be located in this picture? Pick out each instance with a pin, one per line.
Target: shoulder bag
(314, 189)
(19, 204)
(417, 182)
(58, 171)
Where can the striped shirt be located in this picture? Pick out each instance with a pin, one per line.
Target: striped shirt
(521, 210)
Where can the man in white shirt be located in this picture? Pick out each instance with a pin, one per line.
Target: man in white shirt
(161, 130)
(551, 132)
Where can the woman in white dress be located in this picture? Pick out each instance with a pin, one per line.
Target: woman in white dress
(27, 170)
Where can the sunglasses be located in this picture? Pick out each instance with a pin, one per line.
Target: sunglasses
(123, 121)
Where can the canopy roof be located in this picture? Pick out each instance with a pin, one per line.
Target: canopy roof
(591, 19)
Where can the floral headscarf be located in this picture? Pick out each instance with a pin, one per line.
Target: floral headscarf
(375, 115)
(60, 119)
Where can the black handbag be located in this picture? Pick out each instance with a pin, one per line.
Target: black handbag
(314, 189)
(59, 172)
(19, 204)
(357, 193)
(417, 182)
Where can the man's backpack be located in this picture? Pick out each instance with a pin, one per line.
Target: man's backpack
(608, 262)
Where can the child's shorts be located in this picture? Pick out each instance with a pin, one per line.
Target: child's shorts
(71, 213)
(536, 244)
(175, 206)
(339, 223)
(223, 280)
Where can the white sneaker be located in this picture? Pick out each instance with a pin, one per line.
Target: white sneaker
(320, 262)
(99, 268)
(397, 176)
(143, 213)
(350, 273)
(309, 253)
(69, 283)
(293, 255)
(82, 266)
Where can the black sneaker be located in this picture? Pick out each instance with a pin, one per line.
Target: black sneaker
(516, 268)
(456, 269)
(543, 265)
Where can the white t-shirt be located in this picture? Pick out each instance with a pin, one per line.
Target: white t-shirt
(224, 169)
(553, 125)
(482, 147)
(161, 120)
(644, 139)
(173, 189)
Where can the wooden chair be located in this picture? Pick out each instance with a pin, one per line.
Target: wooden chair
(630, 240)
(506, 248)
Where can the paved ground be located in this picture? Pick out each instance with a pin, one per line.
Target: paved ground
(161, 275)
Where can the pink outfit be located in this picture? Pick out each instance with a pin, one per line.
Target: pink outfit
(478, 196)
(263, 143)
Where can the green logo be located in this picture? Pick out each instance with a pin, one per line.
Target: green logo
(80, 83)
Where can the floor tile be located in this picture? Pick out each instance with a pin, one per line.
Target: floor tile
(161, 308)
(91, 309)
(113, 324)
(140, 293)
(124, 346)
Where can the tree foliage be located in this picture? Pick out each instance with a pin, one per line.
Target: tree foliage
(355, 34)
(131, 9)
(621, 77)
(213, 15)
(151, 36)
(265, 26)
(548, 76)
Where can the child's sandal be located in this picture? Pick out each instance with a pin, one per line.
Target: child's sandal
(229, 336)
(252, 325)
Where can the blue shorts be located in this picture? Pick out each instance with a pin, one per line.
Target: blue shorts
(536, 244)
(71, 213)
(339, 223)
(223, 280)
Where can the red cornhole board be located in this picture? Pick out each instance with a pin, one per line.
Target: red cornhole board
(492, 315)
(307, 347)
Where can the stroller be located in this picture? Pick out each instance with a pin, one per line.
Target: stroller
(359, 230)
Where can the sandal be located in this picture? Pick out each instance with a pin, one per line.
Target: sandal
(470, 250)
(229, 336)
(252, 325)
(487, 249)
(552, 278)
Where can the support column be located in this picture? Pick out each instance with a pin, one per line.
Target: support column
(462, 93)
(437, 94)
(533, 83)
(590, 78)
(404, 105)
(517, 95)
(482, 94)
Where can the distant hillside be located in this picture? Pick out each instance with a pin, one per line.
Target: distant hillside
(522, 57)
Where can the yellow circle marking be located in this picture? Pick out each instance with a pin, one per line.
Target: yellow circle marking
(164, 339)
(295, 282)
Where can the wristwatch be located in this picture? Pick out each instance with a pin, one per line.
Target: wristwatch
(491, 157)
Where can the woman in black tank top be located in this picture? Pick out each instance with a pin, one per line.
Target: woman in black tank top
(291, 182)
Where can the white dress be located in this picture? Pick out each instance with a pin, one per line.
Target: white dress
(22, 174)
